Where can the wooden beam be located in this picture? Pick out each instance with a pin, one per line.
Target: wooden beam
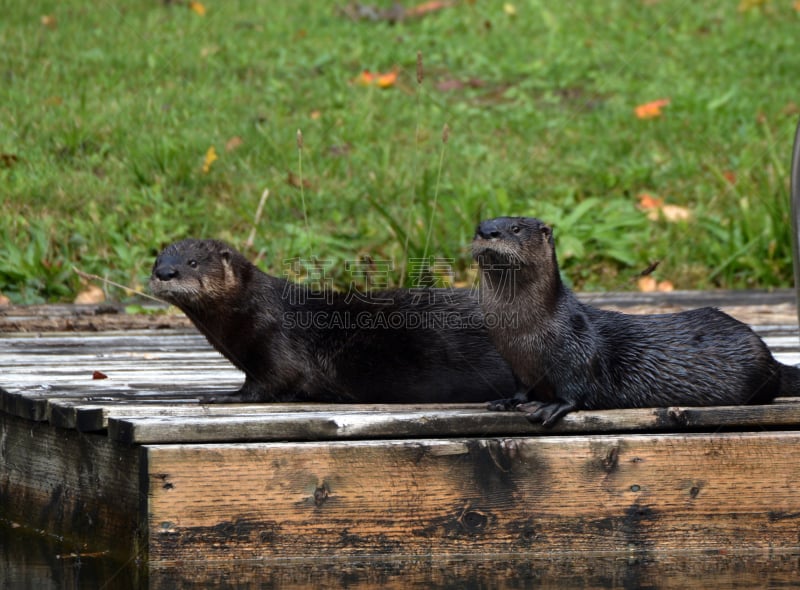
(82, 487)
(345, 423)
(640, 494)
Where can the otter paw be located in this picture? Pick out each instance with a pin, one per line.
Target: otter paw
(545, 414)
(503, 405)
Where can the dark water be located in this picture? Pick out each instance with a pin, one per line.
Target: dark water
(29, 560)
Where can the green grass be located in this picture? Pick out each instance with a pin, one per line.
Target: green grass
(108, 116)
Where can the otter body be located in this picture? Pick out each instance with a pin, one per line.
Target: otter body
(401, 346)
(567, 355)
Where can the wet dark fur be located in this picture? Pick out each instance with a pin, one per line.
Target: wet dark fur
(570, 356)
(251, 318)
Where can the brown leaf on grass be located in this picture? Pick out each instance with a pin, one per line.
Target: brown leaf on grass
(394, 13)
(381, 80)
(745, 5)
(197, 7)
(49, 21)
(96, 375)
(656, 209)
(791, 108)
(92, 294)
(426, 8)
(8, 160)
(53, 101)
(650, 110)
(233, 143)
(730, 176)
(648, 201)
(293, 179)
(649, 285)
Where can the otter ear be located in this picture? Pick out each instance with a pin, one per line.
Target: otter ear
(547, 232)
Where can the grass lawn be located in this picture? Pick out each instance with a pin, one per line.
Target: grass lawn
(109, 110)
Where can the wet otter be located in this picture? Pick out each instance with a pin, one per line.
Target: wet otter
(423, 345)
(570, 356)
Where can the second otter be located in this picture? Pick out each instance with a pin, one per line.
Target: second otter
(293, 344)
(570, 356)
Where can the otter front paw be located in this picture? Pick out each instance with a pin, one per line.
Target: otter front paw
(503, 405)
(545, 414)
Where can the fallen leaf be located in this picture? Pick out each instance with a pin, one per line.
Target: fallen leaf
(210, 158)
(233, 143)
(197, 7)
(746, 5)
(385, 80)
(791, 108)
(647, 284)
(651, 109)
(648, 201)
(730, 176)
(92, 294)
(49, 21)
(8, 160)
(4, 300)
(650, 285)
(315, 115)
(293, 179)
(656, 209)
(425, 8)
(796, 5)
(665, 286)
(99, 375)
(53, 101)
(510, 9)
(675, 213)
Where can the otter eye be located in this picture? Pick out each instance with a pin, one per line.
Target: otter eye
(193, 263)
(515, 229)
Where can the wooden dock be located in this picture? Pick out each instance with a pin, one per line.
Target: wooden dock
(105, 440)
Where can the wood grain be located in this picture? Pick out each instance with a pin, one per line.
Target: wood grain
(634, 493)
(82, 487)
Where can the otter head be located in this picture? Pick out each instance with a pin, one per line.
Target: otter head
(197, 274)
(518, 248)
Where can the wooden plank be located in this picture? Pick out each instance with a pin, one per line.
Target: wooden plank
(92, 417)
(718, 569)
(346, 424)
(83, 487)
(634, 494)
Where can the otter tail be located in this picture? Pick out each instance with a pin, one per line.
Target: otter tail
(790, 381)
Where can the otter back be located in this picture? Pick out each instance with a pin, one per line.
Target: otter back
(570, 356)
(423, 345)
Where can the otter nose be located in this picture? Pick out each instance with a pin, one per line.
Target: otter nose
(489, 229)
(165, 268)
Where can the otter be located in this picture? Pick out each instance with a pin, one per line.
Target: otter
(293, 344)
(567, 355)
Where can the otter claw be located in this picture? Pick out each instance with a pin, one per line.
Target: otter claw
(545, 414)
(503, 405)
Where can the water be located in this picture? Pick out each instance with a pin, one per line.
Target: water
(34, 561)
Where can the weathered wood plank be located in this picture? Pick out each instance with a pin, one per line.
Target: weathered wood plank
(92, 417)
(83, 487)
(343, 423)
(633, 493)
(717, 569)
